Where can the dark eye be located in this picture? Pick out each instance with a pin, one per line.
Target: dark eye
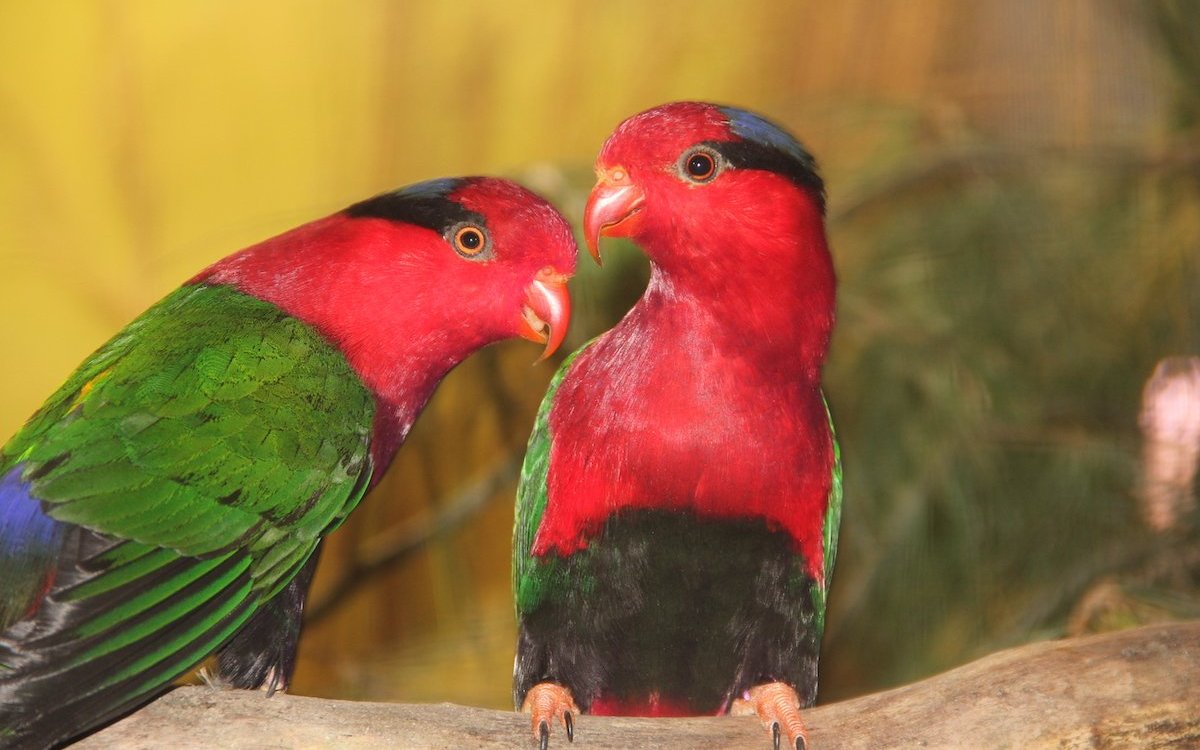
(469, 241)
(700, 166)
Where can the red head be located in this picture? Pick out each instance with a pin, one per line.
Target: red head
(408, 283)
(729, 208)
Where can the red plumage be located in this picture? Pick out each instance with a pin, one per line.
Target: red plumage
(677, 518)
(734, 325)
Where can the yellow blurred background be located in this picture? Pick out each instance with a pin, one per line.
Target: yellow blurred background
(141, 140)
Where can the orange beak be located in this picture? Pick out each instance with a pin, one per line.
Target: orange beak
(611, 208)
(547, 310)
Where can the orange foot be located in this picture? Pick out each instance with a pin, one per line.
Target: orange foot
(547, 701)
(778, 707)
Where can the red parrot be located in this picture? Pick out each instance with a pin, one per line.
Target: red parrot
(169, 500)
(678, 510)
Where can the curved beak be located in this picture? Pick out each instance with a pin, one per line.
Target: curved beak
(614, 200)
(547, 310)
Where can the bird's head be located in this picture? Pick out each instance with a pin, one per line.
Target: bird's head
(685, 179)
(457, 262)
(410, 282)
(498, 256)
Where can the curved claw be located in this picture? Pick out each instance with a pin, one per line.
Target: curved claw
(547, 703)
(778, 707)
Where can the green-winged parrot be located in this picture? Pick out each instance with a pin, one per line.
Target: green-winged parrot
(169, 500)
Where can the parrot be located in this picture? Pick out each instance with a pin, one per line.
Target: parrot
(678, 507)
(168, 501)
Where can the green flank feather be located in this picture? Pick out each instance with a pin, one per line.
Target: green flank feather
(533, 578)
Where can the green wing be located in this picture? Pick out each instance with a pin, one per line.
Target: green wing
(532, 578)
(832, 522)
(194, 463)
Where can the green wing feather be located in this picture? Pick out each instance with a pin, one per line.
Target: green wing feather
(198, 458)
(832, 523)
(533, 578)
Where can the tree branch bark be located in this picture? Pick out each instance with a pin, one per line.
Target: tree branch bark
(1136, 688)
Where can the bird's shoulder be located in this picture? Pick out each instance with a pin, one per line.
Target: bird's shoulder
(215, 413)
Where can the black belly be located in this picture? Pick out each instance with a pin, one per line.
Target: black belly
(692, 611)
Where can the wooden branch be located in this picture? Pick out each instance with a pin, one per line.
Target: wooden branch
(1137, 688)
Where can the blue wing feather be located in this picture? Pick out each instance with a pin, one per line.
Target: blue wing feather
(29, 544)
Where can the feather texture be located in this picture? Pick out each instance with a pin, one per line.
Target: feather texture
(171, 498)
(677, 518)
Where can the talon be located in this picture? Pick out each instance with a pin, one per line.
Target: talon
(275, 682)
(547, 702)
(778, 707)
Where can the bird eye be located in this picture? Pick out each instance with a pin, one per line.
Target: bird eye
(699, 166)
(469, 241)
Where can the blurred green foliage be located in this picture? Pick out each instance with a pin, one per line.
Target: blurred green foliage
(993, 341)
(999, 313)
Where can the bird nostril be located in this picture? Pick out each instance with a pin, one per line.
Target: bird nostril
(551, 274)
(612, 175)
